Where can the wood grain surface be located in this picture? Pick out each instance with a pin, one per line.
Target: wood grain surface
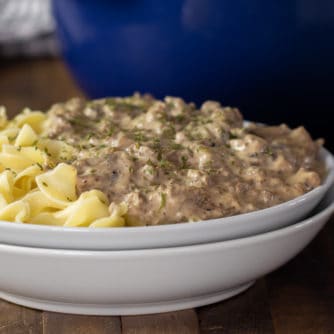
(296, 299)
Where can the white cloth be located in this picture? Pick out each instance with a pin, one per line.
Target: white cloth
(26, 27)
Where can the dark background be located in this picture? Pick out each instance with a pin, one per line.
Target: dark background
(293, 86)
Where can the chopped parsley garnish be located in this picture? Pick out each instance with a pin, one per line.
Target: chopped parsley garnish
(79, 122)
(233, 136)
(163, 163)
(208, 165)
(169, 133)
(170, 105)
(149, 170)
(163, 200)
(150, 163)
(12, 138)
(39, 165)
(47, 152)
(139, 137)
(126, 106)
(89, 136)
(268, 151)
(176, 146)
(111, 102)
(180, 118)
(184, 160)
(10, 170)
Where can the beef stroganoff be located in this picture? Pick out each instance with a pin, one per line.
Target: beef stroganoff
(139, 161)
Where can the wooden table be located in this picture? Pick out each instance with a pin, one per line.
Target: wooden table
(298, 298)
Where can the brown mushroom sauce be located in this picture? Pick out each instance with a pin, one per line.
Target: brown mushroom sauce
(170, 162)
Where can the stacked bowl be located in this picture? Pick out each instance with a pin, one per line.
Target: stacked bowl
(138, 270)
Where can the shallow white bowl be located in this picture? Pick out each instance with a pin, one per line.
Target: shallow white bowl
(151, 280)
(146, 237)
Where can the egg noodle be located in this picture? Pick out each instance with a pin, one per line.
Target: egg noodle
(36, 188)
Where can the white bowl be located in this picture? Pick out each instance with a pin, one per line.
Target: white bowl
(151, 280)
(146, 237)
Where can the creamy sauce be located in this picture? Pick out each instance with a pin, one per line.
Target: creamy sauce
(171, 162)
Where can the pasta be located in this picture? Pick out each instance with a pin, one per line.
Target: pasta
(37, 188)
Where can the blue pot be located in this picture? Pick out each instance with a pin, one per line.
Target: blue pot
(273, 59)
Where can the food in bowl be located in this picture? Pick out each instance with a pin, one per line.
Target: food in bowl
(140, 161)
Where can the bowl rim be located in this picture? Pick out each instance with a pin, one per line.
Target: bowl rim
(327, 156)
(325, 213)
